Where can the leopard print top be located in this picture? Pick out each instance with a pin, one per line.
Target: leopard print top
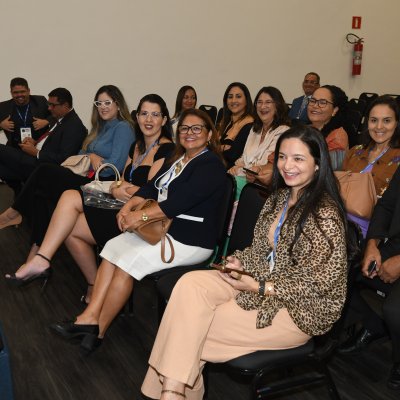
(310, 284)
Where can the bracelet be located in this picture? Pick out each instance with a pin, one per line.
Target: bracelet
(261, 288)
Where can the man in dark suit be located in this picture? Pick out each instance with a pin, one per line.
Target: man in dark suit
(298, 111)
(24, 114)
(63, 139)
(383, 248)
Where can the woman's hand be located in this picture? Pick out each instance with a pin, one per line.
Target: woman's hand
(95, 161)
(389, 271)
(234, 170)
(251, 177)
(371, 254)
(265, 174)
(236, 280)
(122, 193)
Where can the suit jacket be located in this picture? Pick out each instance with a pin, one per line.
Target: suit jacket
(64, 141)
(38, 108)
(385, 221)
(296, 105)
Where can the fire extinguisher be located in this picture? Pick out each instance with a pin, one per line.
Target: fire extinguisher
(357, 52)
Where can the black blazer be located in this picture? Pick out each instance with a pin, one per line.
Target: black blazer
(64, 141)
(38, 107)
(193, 199)
(385, 221)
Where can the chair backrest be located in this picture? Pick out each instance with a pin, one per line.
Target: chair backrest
(368, 97)
(219, 116)
(251, 202)
(210, 110)
(352, 125)
(357, 105)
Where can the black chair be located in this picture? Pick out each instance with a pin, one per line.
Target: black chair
(210, 110)
(396, 97)
(352, 126)
(219, 116)
(368, 97)
(260, 363)
(172, 275)
(357, 105)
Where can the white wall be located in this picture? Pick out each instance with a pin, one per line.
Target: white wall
(160, 45)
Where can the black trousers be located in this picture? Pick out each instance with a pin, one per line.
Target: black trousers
(40, 194)
(15, 165)
(390, 304)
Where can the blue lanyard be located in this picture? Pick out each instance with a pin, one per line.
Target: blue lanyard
(140, 159)
(368, 167)
(279, 226)
(26, 115)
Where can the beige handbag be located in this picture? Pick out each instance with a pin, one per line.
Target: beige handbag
(79, 164)
(358, 192)
(154, 230)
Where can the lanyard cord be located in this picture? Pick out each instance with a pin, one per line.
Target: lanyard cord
(141, 158)
(374, 161)
(279, 227)
(26, 115)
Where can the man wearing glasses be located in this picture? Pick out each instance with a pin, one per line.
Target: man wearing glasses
(298, 111)
(24, 114)
(63, 138)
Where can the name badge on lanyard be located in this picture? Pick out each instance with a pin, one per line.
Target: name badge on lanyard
(25, 132)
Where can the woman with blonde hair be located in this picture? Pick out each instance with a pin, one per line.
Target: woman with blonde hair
(108, 142)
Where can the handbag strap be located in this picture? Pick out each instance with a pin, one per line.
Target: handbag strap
(163, 237)
(108, 165)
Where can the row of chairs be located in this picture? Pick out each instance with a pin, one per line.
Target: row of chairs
(260, 363)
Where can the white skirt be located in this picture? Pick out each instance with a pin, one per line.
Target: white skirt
(139, 258)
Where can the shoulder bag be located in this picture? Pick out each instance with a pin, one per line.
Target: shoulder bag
(358, 192)
(79, 164)
(154, 230)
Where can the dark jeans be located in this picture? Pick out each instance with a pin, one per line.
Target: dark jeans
(390, 304)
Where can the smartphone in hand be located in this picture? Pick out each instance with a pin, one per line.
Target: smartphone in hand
(227, 270)
(371, 267)
(250, 171)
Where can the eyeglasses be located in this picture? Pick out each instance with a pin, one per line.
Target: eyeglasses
(53, 104)
(196, 129)
(260, 103)
(105, 103)
(321, 103)
(153, 114)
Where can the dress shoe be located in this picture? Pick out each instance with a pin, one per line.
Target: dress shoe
(394, 378)
(359, 341)
(90, 343)
(69, 330)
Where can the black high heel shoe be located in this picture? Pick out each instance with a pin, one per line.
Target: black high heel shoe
(90, 343)
(70, 330)
(45, 276)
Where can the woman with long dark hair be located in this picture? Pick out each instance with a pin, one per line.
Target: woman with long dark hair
(271, 120)
(185, 99)
(237, 119)
(298, 266)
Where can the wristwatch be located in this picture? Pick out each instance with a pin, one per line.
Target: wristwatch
(270, 288)
(145, 217)
(261, 288)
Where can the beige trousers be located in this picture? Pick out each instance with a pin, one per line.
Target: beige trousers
(202, 323)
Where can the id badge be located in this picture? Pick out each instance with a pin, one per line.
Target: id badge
(25, 133)
(162, 195)
(270, 259)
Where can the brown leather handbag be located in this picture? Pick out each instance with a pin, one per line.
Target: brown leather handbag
(154, 230)
(358, 192)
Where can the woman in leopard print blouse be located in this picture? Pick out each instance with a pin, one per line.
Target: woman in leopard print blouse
(297, 289)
